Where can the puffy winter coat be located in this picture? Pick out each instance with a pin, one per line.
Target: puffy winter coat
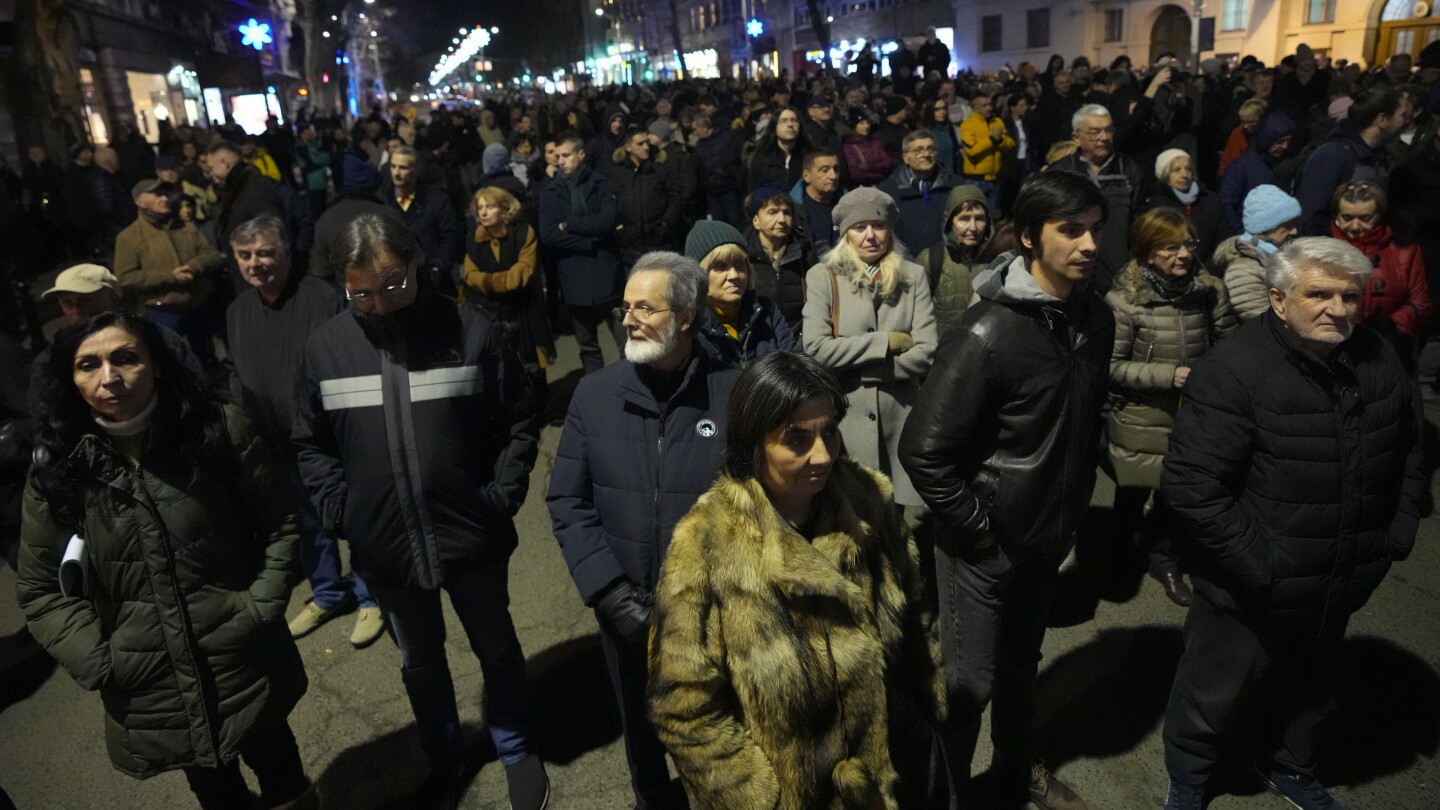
(1397, 289)
(1003, 437)
(1296, 481)
(416, 436)
(847, 329)
(1154, 336)
(1254, 167)
(775, 167)
(629, 467)
(717, 159)
(1242, 265)
(183, 631)
(777, 661)
(764, 331)
(950, 266)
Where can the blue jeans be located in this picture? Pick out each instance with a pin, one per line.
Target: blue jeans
(991, 190)
(481, 599)
(320, 557)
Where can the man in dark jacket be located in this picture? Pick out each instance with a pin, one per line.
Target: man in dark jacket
(1053, 113)
(1255, 166)
(79, 208)
(1002, 446)
(245, 193)
(577, 224)
(430, 215)
(649, 429)
(717, 161)
(432, 505)
(919, 187)
(357, 196)
(647, 198)
(1295, 469)
(1353, 151)
(112, 203)
(601, 148)
(1120, 179)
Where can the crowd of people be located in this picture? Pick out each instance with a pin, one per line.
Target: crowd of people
(877, 338)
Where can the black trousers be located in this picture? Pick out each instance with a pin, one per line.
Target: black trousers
(644, 753)
(587, 321)
(1236, 670)
(1156, 529)
(275, 759)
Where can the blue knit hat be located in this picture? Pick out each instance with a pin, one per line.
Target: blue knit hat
(709, 234)
(360, 175)
(1267, 208)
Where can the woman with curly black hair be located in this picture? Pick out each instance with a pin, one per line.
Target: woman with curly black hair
(184, 528)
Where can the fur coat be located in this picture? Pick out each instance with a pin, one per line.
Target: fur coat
(777, 664)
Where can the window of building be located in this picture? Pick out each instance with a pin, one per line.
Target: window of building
(1037, 28)
(1235, 14)
(1114, 24)
(1319, 11)
(990, 39)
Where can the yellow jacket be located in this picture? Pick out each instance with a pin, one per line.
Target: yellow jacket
(979, 153)
(261, 160)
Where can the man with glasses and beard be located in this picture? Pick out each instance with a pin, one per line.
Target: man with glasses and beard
(649, 429)
(415, 429)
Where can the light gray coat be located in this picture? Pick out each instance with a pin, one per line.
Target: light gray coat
(1242, 265)
(881, 386)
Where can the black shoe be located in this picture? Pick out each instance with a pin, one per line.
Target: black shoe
(1174, 584)
(1302, 791)
(528, 783)
(442, 787)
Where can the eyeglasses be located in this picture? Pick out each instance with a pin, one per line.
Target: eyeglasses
(366, 296)
(924, 150)
(1171, 250)
(642, 312)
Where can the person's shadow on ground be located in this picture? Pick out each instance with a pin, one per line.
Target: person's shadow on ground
(571, 713)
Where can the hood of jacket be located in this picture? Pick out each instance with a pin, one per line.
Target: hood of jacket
(1272, 128)
(960, 195)
(1008, 281)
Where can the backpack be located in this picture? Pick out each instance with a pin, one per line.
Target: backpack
(1289, 172)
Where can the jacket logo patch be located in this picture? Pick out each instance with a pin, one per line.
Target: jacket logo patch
(706, 428)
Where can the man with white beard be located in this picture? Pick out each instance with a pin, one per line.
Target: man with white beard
(642, 441)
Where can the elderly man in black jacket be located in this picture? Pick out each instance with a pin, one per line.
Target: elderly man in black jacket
(1002, 446)
(415, 429)
(1295, 468)
(642, 442)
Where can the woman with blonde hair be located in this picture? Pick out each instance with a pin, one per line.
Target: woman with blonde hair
(500, 277)
(869, 317)
(736, 326)
(1168, 313)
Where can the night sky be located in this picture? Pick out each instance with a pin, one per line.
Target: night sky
(421, 29)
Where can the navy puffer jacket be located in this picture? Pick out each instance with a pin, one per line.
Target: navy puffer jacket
(764, 331)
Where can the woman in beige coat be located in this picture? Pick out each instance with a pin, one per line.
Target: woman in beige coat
(868, 317)
(1168, 313)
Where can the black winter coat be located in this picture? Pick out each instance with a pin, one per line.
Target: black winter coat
(773, 169)
(783, 284)
(324, 255)
(922, 213)
(436, 225)
(647, 205)
(416, 435)
(587, 260)
(1297, 482)
(1206, 213)
(629, 467)
(763, 331)
(1002, 438)
(717, 161)
(247, 194)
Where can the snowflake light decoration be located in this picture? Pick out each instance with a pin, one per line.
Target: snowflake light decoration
(754, 27)
(255, 34)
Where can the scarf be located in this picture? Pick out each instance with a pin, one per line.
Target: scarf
(1263, 245)
(133, 426)
(575, 182)
(1370, 242)
(1166, 286)
(1189, 195)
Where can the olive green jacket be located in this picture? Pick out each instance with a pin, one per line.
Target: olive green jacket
(183, 631)
(952, 268)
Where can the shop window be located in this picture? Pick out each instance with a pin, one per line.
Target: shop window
(990, 39)
(1037, 28)
(1114, 24)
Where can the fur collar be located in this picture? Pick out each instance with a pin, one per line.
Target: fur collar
(1132, 287)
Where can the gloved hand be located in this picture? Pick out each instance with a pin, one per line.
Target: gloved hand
(900, 342)
(622, 608)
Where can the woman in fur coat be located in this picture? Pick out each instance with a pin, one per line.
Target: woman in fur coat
(792, 644)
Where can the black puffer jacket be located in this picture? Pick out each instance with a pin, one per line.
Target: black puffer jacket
(629, 467)
(1297, 481)
(647, 202)
(415, 438)
(1003, 436)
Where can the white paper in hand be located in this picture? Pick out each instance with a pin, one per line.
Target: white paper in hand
(75, 568)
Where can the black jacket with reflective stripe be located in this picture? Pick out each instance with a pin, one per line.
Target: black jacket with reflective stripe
(416, 434)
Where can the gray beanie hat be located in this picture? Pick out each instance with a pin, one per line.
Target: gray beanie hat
(864, 204)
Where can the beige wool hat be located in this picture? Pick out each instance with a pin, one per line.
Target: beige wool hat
(864, 204)
(84, 279)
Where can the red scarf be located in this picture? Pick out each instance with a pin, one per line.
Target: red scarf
(1371, 242)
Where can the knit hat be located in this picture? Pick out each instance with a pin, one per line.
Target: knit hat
(1340, 108)
(360, 175)
(495, 158)
(762, 195)
(660, 129)
(1162, 163)
(864, 205)
(893, 105)
(709, 234)
(1267, 208)
(856, 115)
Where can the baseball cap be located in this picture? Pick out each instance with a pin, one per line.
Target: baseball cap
(84, 279)
(145, 187)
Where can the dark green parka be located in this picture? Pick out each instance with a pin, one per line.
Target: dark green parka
(951, 267)
(183, 631)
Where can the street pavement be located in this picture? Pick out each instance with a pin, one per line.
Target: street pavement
(1109, 659)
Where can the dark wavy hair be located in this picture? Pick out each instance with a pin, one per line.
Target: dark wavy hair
(768, 141)
(766, 395)
(187, 423)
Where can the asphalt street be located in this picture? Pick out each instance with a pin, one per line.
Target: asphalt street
(1109, 659)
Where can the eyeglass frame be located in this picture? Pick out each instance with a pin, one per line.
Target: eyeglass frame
(1192, 245)
(366, 296)
(621, 311)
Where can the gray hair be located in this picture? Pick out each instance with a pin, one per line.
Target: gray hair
(369, 234)
(1087, 111)
(406, 151)
(915, 135)
(688, 283)
(1334, 256)
(252, 230)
